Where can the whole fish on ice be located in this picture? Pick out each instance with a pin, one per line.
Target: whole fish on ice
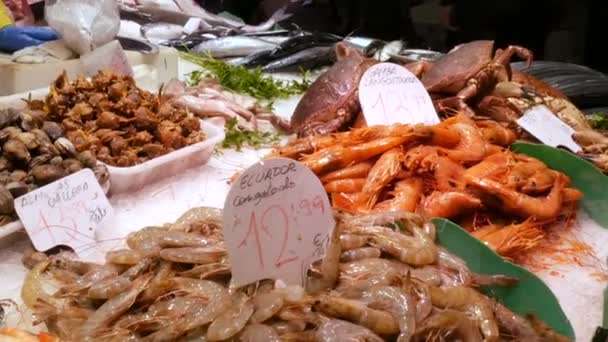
(236, 46)
(180, 11)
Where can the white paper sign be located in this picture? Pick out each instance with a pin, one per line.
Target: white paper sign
(277, 221)
(65, 212)
(548, 128)
(110, 57)
(389, 94)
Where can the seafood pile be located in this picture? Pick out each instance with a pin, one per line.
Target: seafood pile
(376, 282)
(121, 124)
(458, 169)
(471, 78)
(35, 153)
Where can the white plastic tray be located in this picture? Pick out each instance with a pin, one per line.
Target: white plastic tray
(134, 178)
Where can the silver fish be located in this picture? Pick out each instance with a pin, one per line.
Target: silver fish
(161, 32)
(180, 11)
(388, 50)
(306, 59)
(192, 8)
(235, 46)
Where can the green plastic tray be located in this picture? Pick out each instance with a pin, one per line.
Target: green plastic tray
(530, 295)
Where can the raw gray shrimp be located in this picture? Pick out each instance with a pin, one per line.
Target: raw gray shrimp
(292, 326)
(469, 300)
(159, 314)
(514, 324)
(259, 333)
(449, 261)
(428, 274)
(32, 290)
(330, 265)
(380, 219)
(266, 305)
(174, 238)
(113, 308)
(298, 312)
(352, 241)
(193, 255)
(206, 215)
(219, 300)
(208, 270)
(400, 304)
(448, 322)
(424, 305)
(303, 336)
(124, 257)
(69, 261)
(381, 322)
(146, 240)
(429, 229)
(360, 253)
(422, 252)
(141, 267)
(87, 280)
(160, 284)
(348, 332)
(231, 321)
(108, 287)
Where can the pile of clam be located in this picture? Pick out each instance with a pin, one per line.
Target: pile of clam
(35, 153)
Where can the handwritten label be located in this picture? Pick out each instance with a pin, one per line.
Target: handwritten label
(65, 212)
(390, 94)
(277, 220)
(109, 57)
(548, 128)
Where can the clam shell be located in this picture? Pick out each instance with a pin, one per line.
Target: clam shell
(7, 201)
(65, 147)
(18, 175)
(9, 132)
(28, 139)
(47, 173)
(39, 160)
(5, 164)
(8, 116)
(52, 129)
(17, 188)
(15, 149)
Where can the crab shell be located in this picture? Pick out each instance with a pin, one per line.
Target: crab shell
(450, 73)
(334, 93)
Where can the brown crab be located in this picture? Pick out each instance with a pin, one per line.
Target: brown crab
(467, 72)
(332, 100)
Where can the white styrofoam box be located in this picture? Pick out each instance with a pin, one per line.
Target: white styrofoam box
(133, 178)
(19, 78)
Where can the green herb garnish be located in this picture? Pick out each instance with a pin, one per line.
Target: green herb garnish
(237, 138)
(598, 120)
(242, 80)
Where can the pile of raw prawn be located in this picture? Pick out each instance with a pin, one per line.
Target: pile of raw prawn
(375, 282)
(460, 169)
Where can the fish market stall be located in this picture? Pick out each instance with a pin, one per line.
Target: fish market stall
(283, 185)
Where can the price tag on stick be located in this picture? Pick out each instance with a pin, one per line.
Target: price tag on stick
(65, 212)
(389, 94)
(277, 220)
(548, 128)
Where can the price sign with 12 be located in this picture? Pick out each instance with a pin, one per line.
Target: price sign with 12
(277, 220)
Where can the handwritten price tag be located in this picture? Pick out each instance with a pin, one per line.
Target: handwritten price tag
(65, 212)
(548, 128)
(390, 94)
(110, 57)
(277, 221)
